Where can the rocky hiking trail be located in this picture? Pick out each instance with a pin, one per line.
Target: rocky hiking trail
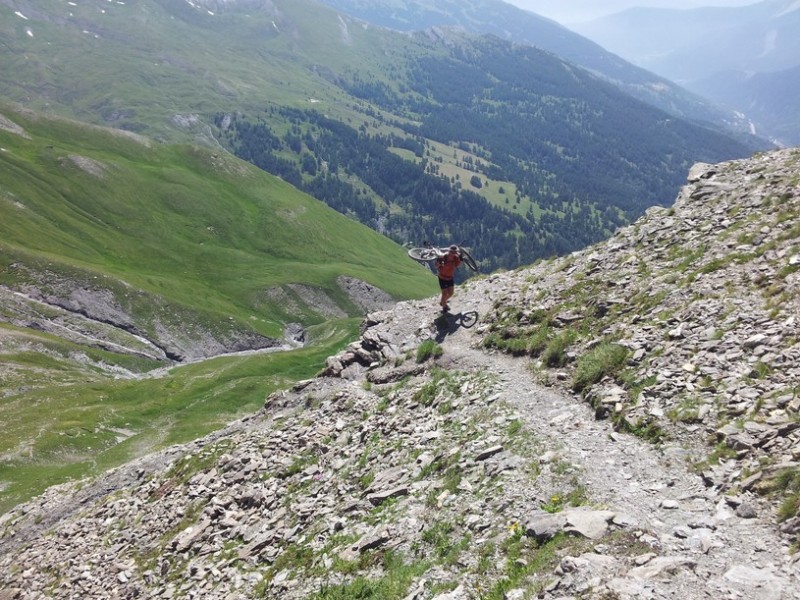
(704, 543)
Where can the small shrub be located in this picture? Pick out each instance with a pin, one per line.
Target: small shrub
(720, 452)
(394, 582)
(688, 411)
(578, 496)
(554, 505)
(514, 427)
(366, 480)
(438, 536)
(555, 353)
(517, 346)
(789, 508)
(538, 340)
(445, 407)
(760, 370)
(647, 429)
(452, 479)
(440, 465)
(635, 386)
(427, 393)
(787, 484)
(714, 265)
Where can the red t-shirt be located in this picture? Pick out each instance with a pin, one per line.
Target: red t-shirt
(447, 264)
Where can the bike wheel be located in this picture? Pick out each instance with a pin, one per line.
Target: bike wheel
(422, 254)
(468, 319)
(467, 258)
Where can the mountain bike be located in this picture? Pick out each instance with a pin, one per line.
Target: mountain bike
(429, 253)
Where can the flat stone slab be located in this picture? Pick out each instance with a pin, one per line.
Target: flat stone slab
(379, 498)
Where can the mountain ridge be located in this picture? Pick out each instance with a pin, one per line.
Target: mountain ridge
(523, 27)
(715, 52)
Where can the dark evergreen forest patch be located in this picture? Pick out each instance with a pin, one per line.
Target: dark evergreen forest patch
(584, 156)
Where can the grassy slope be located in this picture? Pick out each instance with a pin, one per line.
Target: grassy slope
(182, 60)
(79, 422)
(196, 227)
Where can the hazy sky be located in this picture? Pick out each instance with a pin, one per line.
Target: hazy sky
(575, 11)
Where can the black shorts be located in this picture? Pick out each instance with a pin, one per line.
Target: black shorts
(446, 283)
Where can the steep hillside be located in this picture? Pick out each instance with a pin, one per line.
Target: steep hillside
(683, 325)
(661, 462)
(420, 136)
(551, 159)
(508, 22)
(188, 252)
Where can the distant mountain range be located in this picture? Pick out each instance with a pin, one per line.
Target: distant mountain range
(745, 58)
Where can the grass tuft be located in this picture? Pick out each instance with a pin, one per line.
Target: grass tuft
(603, 360)
(427, 350)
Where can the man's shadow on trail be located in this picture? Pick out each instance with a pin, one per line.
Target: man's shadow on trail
(447, 324)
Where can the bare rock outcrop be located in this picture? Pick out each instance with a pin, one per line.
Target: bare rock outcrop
(701, 299)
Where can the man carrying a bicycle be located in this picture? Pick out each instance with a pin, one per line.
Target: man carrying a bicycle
(446, 265)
